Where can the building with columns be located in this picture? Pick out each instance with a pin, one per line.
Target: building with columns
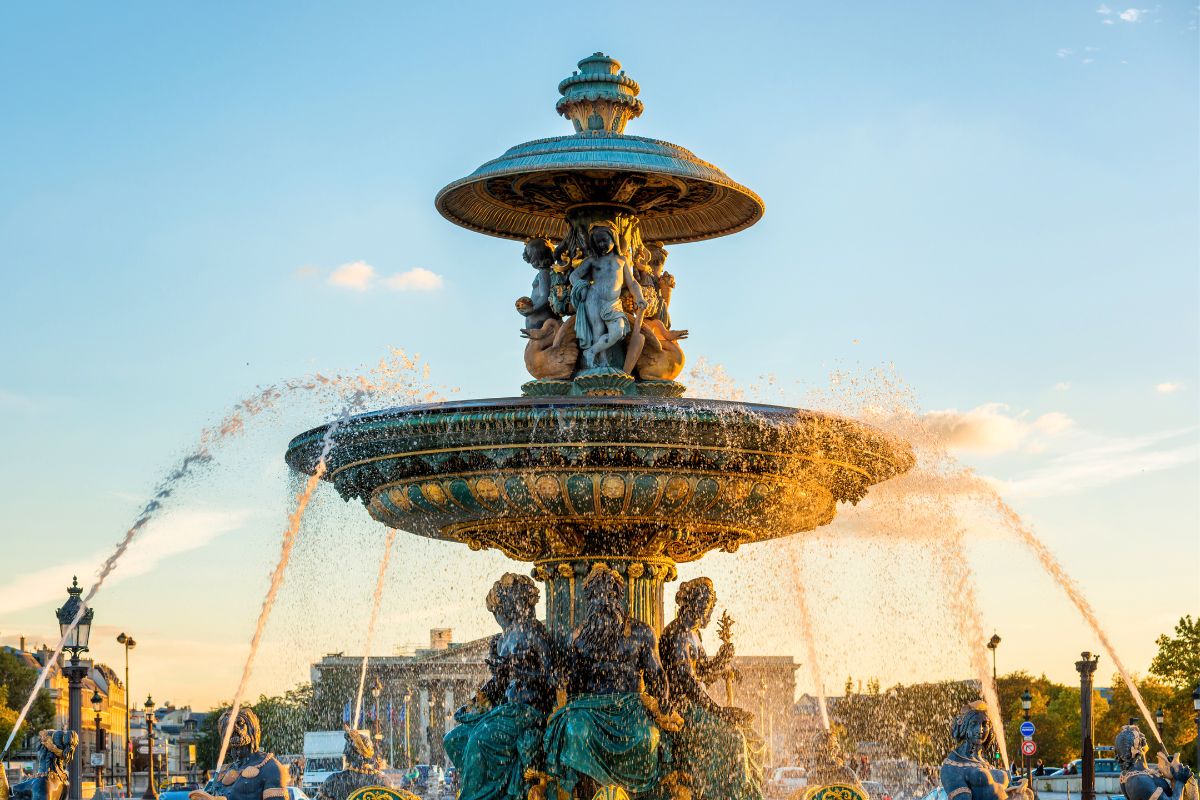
(425, 688)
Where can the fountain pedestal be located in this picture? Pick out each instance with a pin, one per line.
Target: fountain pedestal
(563, 577)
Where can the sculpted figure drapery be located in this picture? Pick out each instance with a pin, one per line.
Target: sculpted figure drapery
(362, 769)
(597, 283)
(1168, 780)
(966, 773)
(609, 732)
(498, 738)
(55, 749)
(250, 773)
(711, 746)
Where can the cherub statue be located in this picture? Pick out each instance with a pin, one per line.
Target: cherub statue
(965, 770)
(537, 308)
(251, 773)
(597, 284)
(711, 746)
(498, 742)
(55, 749)
(362, 769)
(1168, 780)
(663, 282)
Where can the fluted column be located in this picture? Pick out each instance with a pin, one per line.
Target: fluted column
(563, 577)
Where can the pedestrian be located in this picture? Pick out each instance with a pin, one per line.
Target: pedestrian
(1040, 769)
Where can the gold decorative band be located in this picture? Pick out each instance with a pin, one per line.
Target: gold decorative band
(276, 792)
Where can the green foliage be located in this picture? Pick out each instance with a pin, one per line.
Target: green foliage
(1054, 712)
(910, 721)
(16, 682)
(1177, 661)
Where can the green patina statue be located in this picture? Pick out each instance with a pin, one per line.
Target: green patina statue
(610, 731)
(54, 752)
(252, 773)
(711, 747)
(499, 736)
(1167, 780)
(966, 772)
(362, 770)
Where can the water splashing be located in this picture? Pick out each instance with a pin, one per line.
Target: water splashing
(286, 545)
(362, 675)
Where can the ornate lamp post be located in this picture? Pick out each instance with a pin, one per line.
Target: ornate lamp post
(97, 707)
(993, 644)
(1087, 668)
(75, 641)
(128, 643)
(408, 743)
(150, 793)
(1196, 706)
(1159, 719)
(1026, 705)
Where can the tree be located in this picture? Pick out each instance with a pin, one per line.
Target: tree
(1177, 661)
(16, 682)
(284, 719)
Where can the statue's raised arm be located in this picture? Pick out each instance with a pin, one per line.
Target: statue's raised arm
(1168, 780)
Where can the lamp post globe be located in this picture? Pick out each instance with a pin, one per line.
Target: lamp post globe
(75, 625)
(150, 793)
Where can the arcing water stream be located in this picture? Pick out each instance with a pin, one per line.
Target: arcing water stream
(375, 599)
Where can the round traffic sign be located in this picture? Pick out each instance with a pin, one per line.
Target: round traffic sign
(1028, 748)
(1027, 728)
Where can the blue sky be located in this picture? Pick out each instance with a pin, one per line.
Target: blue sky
(997, 199)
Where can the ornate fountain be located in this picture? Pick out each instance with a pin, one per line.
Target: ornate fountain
(601, 466)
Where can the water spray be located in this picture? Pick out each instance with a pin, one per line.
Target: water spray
(362, 675)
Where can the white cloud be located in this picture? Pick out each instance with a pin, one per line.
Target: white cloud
(417, 279)
(1107, 22)
(1062, 386)
(357, 275)
(1106, 463)
(1132, 14)
(1089, 60)
(1167, 387)
(1064, 52)
(306, 272)
(1103, 9)
(990, 429)
(175, 533)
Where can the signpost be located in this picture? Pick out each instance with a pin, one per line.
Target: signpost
(1027, 729)
(1028, 747)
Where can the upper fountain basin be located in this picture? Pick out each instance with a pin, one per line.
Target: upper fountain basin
(528, 191)
(548, 477)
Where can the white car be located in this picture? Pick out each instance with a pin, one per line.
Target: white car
(786, 781)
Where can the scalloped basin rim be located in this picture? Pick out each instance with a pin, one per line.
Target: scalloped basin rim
(305, 444)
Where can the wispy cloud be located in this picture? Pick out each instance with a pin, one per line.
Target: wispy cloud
(1104, 10)
(1132, 14)
(179, 532)
(1167, 387)
(359, 276)
(1106, 463)
(417, 279)
(1062, 386)
(991, 429)
(1065, 52)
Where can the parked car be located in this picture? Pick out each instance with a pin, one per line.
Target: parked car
(1104, 766)
(423, 778)
(785, 781)
(875, 790)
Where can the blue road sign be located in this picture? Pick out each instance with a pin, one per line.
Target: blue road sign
(1027, 729)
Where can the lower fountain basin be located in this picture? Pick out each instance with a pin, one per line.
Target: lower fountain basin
(561, 477)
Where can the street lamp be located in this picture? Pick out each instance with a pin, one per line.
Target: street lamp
(1026, 704)
(97, 707)
(1196, 706)
(993, 644)
(1159, 718)
(408, 744)
(75, 625)
(128, 643)
(150, 793)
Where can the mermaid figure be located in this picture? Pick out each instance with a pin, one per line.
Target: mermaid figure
(1168, 780)
(966, 772)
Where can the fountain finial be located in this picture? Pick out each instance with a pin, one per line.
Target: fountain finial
(599, 97)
